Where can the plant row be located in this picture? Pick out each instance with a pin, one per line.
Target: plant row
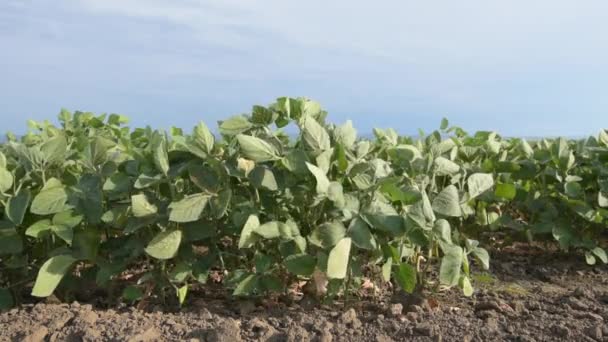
(91, 203)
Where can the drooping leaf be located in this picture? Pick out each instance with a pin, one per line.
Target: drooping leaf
(328, 234)
(337, 262)
(6, 179)
(50, 274)
(164, 245)
(447, 202)
(479, 183)
(17, 206)
(160, 153)
(263, 178)
(315, 135)
(445, 167)
(449, 272)
(247, 238)
(361, 236)
(322, 180)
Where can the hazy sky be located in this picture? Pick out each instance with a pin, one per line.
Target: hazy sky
(533, 67)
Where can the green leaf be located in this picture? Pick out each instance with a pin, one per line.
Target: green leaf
(442, 230)
(159, 150)
(188, 209)
(54, 150)
(447, 202)
(17, 206)
(601, 254)
(235, 125)
(132, 294)
(50, 274)
(118, 183)
(362, 237)
(300, 264)
(465, 285)
(445, 167)
(263, 178)
(3, 162)
(405, 276)
(335, 194)
(6, 299)
(482, 255)
(141, 207)
(337, 262)
(328, 234)
(505, 190)
(202, 138)
(51, 200)
(602, 200)
(346, 135)
(247, 238)
(444, 124)
(573, 189)
(315, 135)
(479, 183)
(449, 272)
(91, 197)
(257, 149)
(10, 241)
(6, 179)
(38, 229)
(386, 269)
(85, 244)
(164, 245)
(246, 286)
(269, 230)
(182, 292)
(322, 180)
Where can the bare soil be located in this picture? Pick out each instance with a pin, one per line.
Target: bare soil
(526, 296)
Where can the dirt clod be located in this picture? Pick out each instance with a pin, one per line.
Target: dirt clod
(38, 335)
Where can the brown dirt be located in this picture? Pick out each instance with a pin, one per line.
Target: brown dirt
(526, 297)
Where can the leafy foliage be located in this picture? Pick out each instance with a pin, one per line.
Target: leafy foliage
(265, 210)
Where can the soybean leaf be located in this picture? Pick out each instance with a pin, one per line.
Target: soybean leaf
(188, 209)
(235, 125)
(52, 199)
(300, 264)
(362, 237)
(164, 245)
(447, 202)
(405, 275)
(449, 271)
(322, 180)
(257, 149)
(315, 135)
(50, 274)
(247, 238)
(479, 183)
(17, 206)
(142, 207)
(337, 262)
(505, 190)
(6, 179)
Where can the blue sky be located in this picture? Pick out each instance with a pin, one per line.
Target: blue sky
(519, 67)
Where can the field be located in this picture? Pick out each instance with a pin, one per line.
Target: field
(249, 233)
